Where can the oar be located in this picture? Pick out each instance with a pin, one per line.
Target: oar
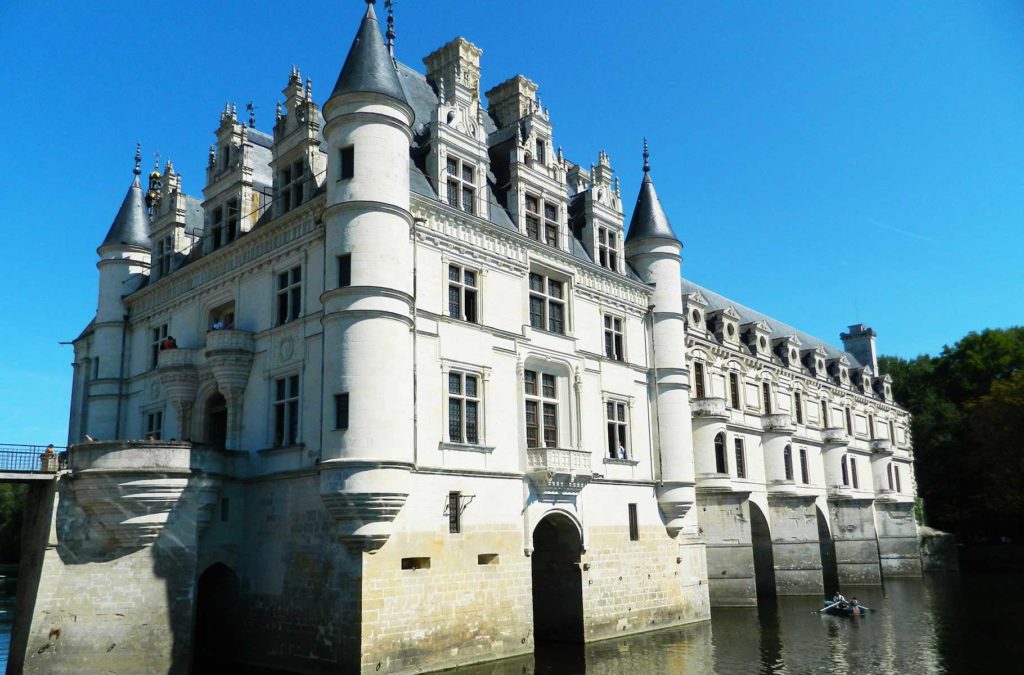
(830, 606)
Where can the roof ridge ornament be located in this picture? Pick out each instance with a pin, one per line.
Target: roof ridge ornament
(138, 159)
(647, 157)
(391, 34)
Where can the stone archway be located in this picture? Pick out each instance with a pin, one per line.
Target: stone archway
(215, 644)
(827, 546)
(557, 580)
(215, 420)
(764, 556)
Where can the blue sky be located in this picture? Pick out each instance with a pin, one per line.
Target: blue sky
(825, 162)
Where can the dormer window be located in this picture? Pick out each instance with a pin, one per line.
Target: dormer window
(293, 179)
(225, 157)
(541, 155)
(547, 230)
(461, 184)
(607, 248)
(164, 251)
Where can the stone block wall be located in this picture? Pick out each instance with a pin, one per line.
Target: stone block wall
(725, 523)
(898, 545)
(853, 531)
(795, 548)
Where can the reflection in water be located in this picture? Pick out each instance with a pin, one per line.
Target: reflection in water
(935, 625)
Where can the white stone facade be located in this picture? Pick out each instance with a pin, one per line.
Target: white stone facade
(421, 307)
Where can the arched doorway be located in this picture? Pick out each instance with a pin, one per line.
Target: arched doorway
(216, 619)
(827, 546)
(215, 420)
(557, 582)
(764, 557)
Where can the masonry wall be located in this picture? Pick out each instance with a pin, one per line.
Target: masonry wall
(853, 531)
(898, 545)
(725, 522)
(795, 547)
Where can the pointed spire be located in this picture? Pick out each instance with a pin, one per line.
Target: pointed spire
(649, 220)
(131, 224)
(368, 67)
(309, 89)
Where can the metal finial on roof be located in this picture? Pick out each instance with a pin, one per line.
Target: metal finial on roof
(647, 157)
(309, 88)
(277, 114)
(251, 107)
(390, 34)
(138, 159)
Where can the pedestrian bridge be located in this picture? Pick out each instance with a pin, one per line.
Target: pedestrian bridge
(26, 463)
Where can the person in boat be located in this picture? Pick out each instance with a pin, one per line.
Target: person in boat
(855, 606)
(838, 597)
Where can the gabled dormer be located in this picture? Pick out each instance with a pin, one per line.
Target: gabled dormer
(725, 324)
(530, 176)
(814, 361)
(176, 222)
(839, 370)
(695, 307)
(756, 335)
(863, 378)
(595, 213)
(457, 158)
(787, 348)
(238, 181)
(883, 387)
(299, 167)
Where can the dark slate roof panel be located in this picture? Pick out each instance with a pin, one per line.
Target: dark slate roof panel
(779, 329)
(649, 220)
(131, 224)
(368, 66)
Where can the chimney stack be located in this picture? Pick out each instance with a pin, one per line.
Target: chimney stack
(860, 342)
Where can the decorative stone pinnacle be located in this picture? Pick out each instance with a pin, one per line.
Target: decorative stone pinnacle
(278, 112)
(647, 157)
(138, 159)
(309, 89)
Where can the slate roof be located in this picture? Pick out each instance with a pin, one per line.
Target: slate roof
(368, 66)
(131, 224)
(649, 220)
(778, 329)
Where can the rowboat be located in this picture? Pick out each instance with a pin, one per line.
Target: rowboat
(843, 609)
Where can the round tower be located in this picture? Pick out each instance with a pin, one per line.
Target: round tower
(368, 302)
(655, 252)
(125, 252)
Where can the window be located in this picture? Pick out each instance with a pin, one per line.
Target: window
(787, 462)
(461, 182)
(286, 410)
(720, 463)
(613, 337)
(853, 473)
(454, 512)
(824, 414)
(871, 426)
(540, 147)
(896, 472)
(889, 475)
(741, 466)
(541, 409)
(607, 248)
(344, 270)
(224, 223)
(698, 380)
(766, 389)
(231, 216)
(346, 163)
(462, 291)
(463, 408)
(849, 422)
(892, 432)
(547, 303)
(157, 337)
(293, 180)
(225, 157)
(217, 228)
(804, 477)
(154, 425)
(734, 390)
(615, 412)
(846, 474)
(634, 524)
(289, 295)
(549, 233)
(164, 252)
(798, 407)
(341, 411)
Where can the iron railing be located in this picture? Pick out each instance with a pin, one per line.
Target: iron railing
(32, 458)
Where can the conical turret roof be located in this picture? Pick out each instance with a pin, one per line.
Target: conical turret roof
(131, 224)
(649, 220)
(368, 66)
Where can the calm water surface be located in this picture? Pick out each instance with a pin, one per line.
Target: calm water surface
(941, 624)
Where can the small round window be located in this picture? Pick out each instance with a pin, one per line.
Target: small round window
(731, 330)
(792, 355)
(762, 342)
(821, 365)
(696, 317)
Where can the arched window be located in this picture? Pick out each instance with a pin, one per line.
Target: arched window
(720, 464)
(787, 462)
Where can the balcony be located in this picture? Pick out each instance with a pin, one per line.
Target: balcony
(836, 435)
(556, 471)
(881, 446)
(229, 340)
(715, 482)
(709, 407)
(778, 423)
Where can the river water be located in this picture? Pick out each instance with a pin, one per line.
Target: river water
(939, 624)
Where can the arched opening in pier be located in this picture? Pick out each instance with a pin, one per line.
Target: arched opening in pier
(827, 545)
(764, 558)
(557, 581)
(215, 644)
(216, 420)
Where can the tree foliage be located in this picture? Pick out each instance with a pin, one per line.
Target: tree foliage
(12, 501)
(968, 430)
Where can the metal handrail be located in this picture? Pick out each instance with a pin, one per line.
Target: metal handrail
(17, 458)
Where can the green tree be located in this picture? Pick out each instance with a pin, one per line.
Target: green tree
(12, 501)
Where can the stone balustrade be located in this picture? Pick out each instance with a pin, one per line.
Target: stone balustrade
(559, 469)
(179, 379)
(708, 407)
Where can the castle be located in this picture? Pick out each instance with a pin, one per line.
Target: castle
(401, 391)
